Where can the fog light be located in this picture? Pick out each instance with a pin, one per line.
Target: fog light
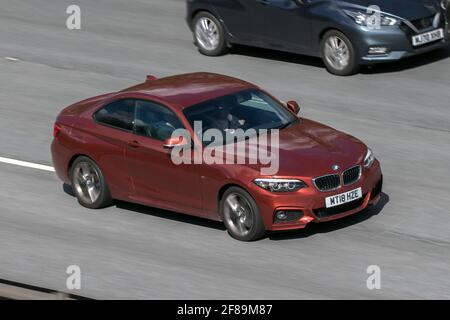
(378, 50)
(287, 215)
(281, 215)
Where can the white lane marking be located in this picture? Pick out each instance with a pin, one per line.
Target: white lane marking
(12, 59)
(27, 164)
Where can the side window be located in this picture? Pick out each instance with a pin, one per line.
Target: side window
(155, 121)
(119, 114)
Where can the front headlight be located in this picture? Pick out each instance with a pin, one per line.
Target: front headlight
(280, 185)
(369, 159)
(369, 20)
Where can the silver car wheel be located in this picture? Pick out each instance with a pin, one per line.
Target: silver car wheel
(238, 214)
(87, 182)
(337, 53)
(207, 34)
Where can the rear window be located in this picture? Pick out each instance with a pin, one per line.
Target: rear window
(119, 114)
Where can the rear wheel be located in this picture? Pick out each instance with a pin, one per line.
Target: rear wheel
(89, 185)
(209, 35)
(241, 215)
(338, 54)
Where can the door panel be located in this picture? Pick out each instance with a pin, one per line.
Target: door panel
(239, 18)
(107, 147)
(106, 139)
(286, 24)
(157, 180)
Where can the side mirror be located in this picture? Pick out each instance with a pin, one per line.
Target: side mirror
(293, 106)
(173, 142)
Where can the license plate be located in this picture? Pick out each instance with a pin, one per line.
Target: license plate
(427, 37)
(343, 198)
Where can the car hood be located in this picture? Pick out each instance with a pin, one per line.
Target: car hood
(406, 9)
(310, 149)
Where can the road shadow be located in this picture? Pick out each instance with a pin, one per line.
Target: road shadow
(166, 214)
(389, 67)
(170, 215)
(156, 212)
(326, 227)
(68, 190)
(310, 230)
(275, 55)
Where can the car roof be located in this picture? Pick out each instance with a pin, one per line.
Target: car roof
(186, 90)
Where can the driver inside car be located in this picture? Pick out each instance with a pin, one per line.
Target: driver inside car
(223, 119)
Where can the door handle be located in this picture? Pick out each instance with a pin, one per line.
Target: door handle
(133, 144)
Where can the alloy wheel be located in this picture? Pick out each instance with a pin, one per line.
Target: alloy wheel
(207, 34)
(337, 53)
(87, 182)
(238, 213)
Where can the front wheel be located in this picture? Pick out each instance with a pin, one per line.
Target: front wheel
(209, 35)
(338, 54)
(241, 215)
(89, 185)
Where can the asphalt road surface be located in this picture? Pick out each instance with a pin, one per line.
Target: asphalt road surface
(401, 110)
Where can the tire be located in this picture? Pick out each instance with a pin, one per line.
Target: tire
(89, 185)
(338, 62)
(206, 26)
(251, 227)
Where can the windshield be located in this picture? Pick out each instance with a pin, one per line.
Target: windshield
(249, 109)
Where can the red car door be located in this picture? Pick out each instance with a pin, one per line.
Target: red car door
(157, 180)
(105, 140)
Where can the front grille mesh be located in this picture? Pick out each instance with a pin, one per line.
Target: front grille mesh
(423, 23)
(419, 25)
(334, 181)
(351, 175)
(328, 182)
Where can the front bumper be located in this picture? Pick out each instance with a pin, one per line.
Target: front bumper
(311, 202)
(398, 41)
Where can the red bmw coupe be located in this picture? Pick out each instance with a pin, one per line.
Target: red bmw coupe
(128, 145)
